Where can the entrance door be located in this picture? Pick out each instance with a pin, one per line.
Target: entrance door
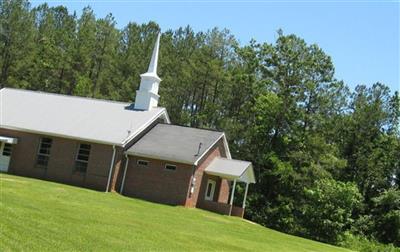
(210, 190)
(5, 155)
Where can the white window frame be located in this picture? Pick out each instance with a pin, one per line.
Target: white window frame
(7, 150)
(47, 155)
(213, 185)
(81, 160)
(143, 165)
(165, 167)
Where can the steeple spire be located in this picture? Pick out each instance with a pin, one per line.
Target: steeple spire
(154, 57)
(147, 95)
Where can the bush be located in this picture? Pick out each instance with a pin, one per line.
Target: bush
(359, 243)
(386, 213)
(328, 209)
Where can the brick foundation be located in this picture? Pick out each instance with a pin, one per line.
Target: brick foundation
(222, 208)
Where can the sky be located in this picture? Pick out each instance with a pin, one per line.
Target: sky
(361, 36)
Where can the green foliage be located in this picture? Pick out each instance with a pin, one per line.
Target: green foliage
(386, 213)
(370, 142)
(16, 43)
(359, 243)
(279, 104)
(83, 87)
(328, 209)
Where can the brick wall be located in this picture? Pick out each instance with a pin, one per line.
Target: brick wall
(222, 186)
(223, 208)
(156, 184)
(117, 168)
(221, 193)
(237, 211)
(152, 183)
(224, 191)
(61, 166)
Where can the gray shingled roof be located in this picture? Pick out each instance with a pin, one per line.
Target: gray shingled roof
(175, 143)
(81, 118)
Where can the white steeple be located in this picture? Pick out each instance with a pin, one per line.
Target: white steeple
(147, 95)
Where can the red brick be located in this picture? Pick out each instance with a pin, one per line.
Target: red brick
(154, 183)
(61, 166)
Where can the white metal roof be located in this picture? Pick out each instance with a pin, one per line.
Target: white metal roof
(81, 118)
(232, 169)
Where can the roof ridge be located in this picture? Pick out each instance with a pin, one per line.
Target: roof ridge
(63, 95)
(185, 126)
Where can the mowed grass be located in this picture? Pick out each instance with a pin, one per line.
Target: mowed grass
(37, 215)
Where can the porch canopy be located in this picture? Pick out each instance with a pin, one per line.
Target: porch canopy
(8, 140)
(231, 169)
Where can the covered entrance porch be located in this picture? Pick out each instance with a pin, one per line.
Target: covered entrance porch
(235, 171)
(6, 144)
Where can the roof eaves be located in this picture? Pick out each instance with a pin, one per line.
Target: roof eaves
(226, 145)
(222, 175)
(158, 157)
(233, 176)
(167, 116)
(60, 135)
(250, 165)
(208, 149)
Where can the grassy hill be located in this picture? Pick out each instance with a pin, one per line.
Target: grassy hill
(36, 215)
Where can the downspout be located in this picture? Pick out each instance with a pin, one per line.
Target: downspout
(192, 184)
(111, 168)
(123, 178)
(192, 181)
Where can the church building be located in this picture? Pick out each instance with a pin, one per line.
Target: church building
(132, 149)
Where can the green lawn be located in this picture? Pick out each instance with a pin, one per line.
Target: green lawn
(38, 215)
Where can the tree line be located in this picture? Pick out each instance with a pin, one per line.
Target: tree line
(327, 158)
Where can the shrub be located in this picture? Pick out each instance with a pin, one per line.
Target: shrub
(362, 244)
(328, 209)
(386, 214)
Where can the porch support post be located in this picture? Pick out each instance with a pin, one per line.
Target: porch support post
(233, 192)
(232, 195)
(245, 195)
